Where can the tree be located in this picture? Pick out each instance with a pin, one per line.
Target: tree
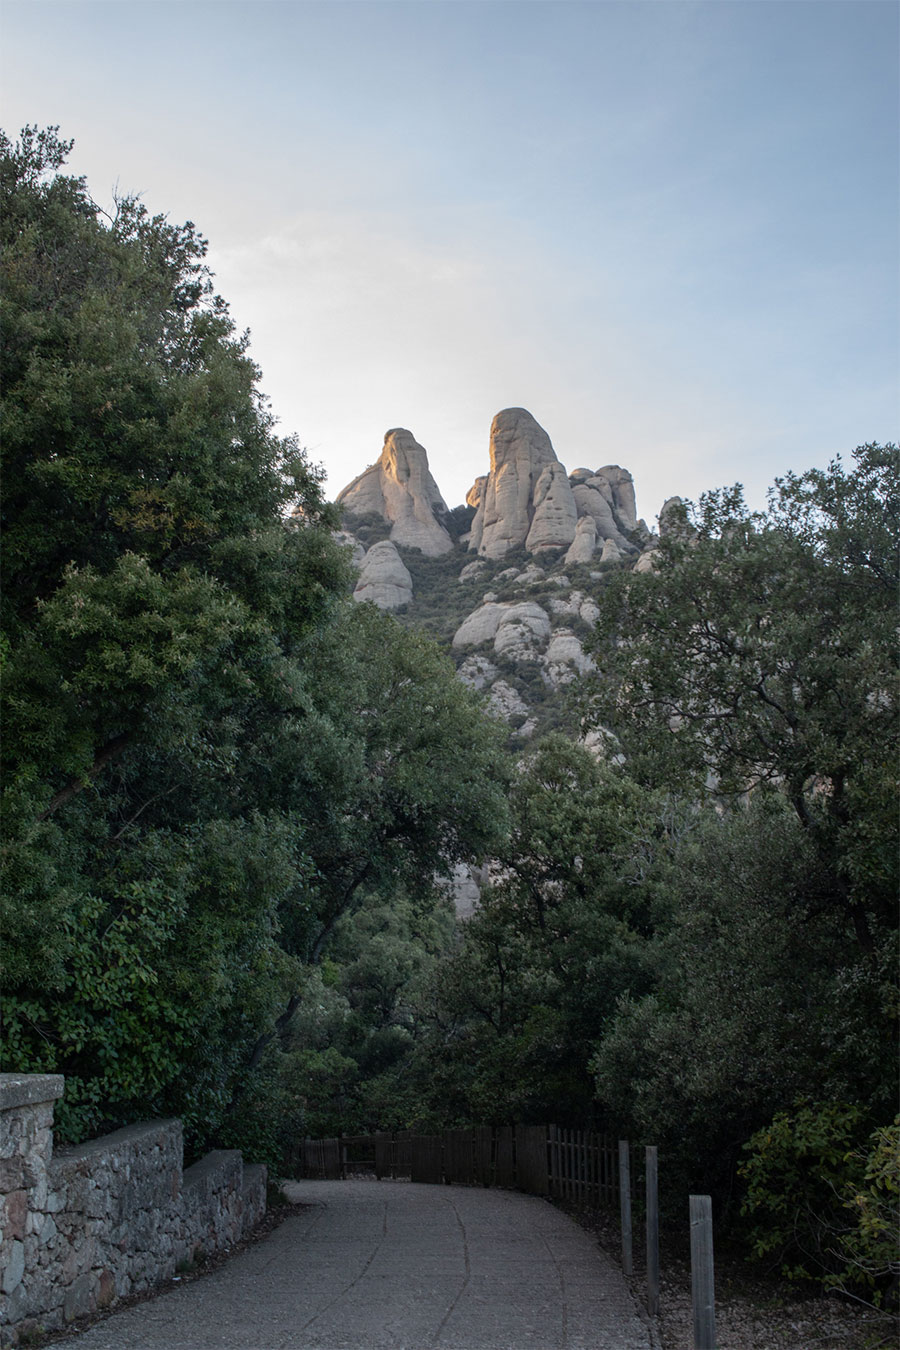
(751, 1001)
(138, 456)
(395, 775)
(557, 938)
(152, 604)
(208, 751)
(761, 652)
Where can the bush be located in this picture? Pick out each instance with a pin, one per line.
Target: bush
(824, 1204)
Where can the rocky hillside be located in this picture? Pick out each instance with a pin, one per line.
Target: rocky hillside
(509, 581)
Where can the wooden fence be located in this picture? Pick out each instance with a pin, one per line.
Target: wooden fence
(540, 1159)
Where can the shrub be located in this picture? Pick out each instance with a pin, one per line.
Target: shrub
(825, 1204)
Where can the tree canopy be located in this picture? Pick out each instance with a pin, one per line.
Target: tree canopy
(208, 751)
(761, 652)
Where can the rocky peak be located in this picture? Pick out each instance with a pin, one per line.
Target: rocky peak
(400, 489)
(673, 520)
(383, 577)
(510, 505)
(518, 628)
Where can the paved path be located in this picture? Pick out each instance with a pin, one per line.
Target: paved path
(395, 1266)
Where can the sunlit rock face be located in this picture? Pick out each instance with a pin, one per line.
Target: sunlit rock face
(520, 452)
(383, 578)
(400, 488)
(555, 515)
(581, 549)
(616, 486)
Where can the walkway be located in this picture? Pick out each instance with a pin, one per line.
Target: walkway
(396, 1266)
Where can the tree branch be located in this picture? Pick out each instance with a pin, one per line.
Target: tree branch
(110, 751)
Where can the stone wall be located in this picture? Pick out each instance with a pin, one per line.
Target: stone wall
(89, 1224)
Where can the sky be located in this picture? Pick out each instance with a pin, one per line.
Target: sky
(668, 229)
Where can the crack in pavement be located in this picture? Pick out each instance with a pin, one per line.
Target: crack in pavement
(355, 1281)
(562, 1290)
(468, 1275)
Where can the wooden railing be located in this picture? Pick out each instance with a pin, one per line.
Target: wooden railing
(539, 1159)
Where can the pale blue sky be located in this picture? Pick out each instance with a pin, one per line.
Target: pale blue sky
(669, 229)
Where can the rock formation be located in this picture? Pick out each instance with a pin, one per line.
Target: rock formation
(591, 500)
(520, 451)
(647, 561)
(555, 514)
(565, 659)
(673, 520)
(575, 605)
(523, 631)
(476, 492)
(481, 625)
(581, 549)
(526, 501)
(478, 672)
(384, 578)
(528, 635)
(505, 702)
(400, 488)
(518, 631)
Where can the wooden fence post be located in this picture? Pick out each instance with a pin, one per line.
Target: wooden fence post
(702, 1281)
(625, 1203)
(651, 1164)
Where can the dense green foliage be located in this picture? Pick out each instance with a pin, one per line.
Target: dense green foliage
(822, 1207)
(762, 651)
(209, 754)
(232, 799)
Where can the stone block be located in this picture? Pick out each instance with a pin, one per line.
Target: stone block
(39, 1192)
(79, 1298)
(74, 1264)
(56, 1200)
(25, 1089)
(12, 1174)
(14, 1267)
(17, 1303)
(106, 1289)
(97, 1202)
(15, 1214)
(42, 1293)
(79, 1187)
